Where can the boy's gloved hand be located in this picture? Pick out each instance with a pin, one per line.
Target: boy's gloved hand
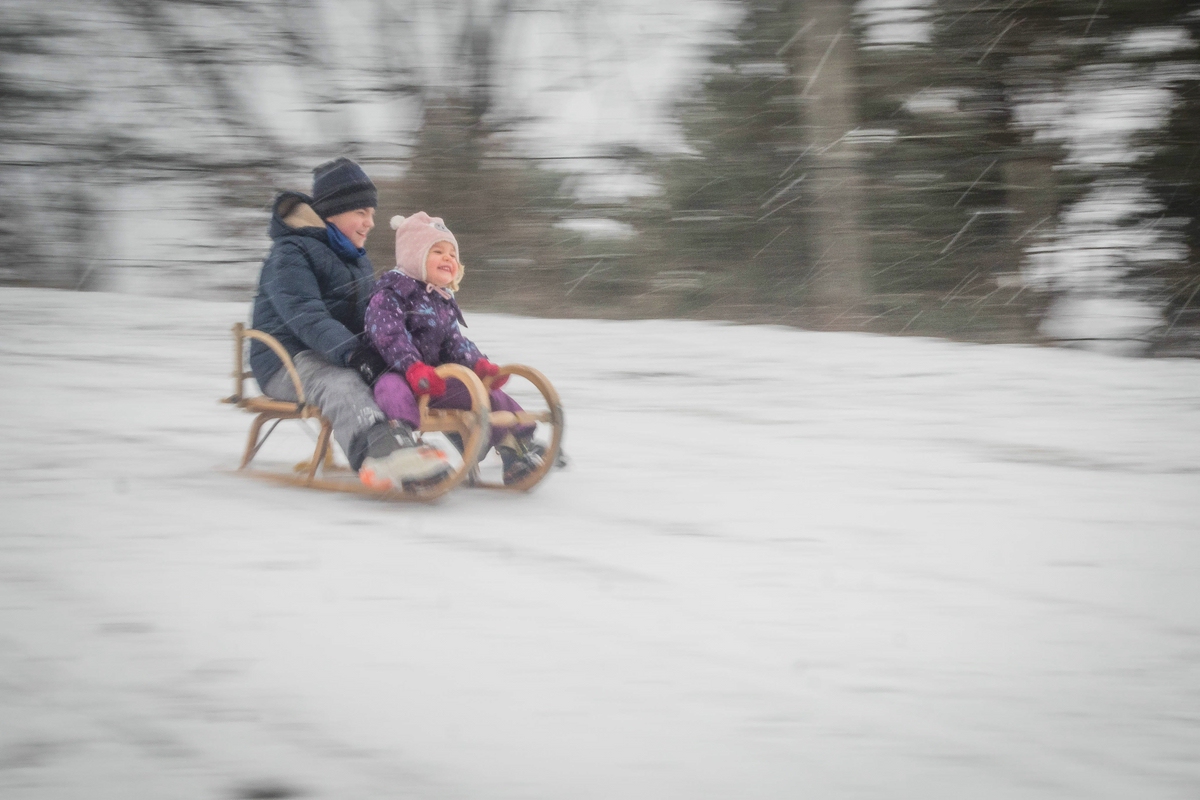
(486, 369)
(424, 380)
(368, 363)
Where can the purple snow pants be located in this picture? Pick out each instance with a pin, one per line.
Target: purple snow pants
(394, 396)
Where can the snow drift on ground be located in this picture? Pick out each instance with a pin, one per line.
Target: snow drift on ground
(782, 564)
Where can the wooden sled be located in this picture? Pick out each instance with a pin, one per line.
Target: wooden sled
(473, 426)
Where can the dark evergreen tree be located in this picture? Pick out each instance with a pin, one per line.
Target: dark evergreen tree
(737, 208)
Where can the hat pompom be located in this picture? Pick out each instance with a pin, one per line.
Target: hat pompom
(395, 222)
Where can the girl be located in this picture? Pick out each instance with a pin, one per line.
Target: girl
(412, 320)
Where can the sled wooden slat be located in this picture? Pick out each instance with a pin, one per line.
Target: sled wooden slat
(509, 419)
(441, 420)
(261, 404)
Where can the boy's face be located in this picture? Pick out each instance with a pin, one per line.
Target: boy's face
(441, 265)
(355, 224)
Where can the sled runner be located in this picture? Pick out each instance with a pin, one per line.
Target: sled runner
(472, 428)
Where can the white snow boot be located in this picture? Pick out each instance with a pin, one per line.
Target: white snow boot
(395, 458)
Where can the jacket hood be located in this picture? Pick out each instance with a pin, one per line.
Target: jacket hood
(293, 214)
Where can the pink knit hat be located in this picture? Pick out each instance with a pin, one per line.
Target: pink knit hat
(415, 235)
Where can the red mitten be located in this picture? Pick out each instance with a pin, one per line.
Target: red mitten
(486, 369)
(424, 380)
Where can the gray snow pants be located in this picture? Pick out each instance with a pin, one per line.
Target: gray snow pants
(341, 394)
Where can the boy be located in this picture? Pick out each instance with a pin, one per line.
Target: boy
(312, 294)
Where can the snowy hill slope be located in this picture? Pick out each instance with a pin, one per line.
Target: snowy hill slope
(782, 564)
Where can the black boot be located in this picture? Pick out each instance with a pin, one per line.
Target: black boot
(521, 457)
(377, 441)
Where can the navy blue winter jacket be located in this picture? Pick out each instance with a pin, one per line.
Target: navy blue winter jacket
(309, 297)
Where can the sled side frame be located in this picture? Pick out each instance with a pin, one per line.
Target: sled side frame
(474, 426)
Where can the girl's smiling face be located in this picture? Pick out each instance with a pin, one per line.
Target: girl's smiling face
(441, 265)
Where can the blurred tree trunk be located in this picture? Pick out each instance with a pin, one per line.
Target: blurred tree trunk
(460, 172)
(825, 72)
(1033, 194)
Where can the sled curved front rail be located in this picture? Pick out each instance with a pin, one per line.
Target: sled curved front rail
(553, 416)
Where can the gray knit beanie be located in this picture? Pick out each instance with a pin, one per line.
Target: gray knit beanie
(341, 185)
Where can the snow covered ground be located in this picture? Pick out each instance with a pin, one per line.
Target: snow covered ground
(783, 564)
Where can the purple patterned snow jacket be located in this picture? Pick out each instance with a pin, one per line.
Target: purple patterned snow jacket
(406, 324)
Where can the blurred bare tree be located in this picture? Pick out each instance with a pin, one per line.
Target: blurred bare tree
(999, 170)
(500, 205)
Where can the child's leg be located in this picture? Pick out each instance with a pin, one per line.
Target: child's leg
(457, 396)
(520, 455)
(396, 399)
(502, 402)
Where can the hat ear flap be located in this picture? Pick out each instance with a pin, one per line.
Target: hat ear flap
(396, 221)
(454, 284)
